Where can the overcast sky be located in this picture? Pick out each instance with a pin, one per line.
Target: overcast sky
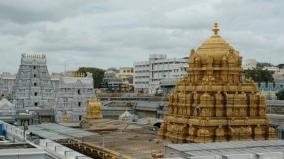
(113, 33)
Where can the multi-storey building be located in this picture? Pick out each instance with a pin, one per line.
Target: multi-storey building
(118, 80)
(126, 74)
(149, 74)
(71, 97)
(7, 81)
(141, 76)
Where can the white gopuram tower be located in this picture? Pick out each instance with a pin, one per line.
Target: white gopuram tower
(33, 88)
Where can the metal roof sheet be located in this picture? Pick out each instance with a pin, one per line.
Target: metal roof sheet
(55, 131)
(229, 148)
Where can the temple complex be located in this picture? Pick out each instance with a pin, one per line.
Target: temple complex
(72, 94)
(214, 103)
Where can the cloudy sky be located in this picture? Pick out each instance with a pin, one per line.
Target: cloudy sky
(106, 33)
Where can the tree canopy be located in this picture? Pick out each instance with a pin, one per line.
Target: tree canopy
(263, 64)
(98, 74)
(259, 75)
(281, 65)
(280, 94)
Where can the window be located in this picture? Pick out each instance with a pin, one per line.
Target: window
(36, 104)
(35, 93)
(80, 117)
(79, 91)
(34, 75)
(79, 104)
(35, 84)
(34, 67)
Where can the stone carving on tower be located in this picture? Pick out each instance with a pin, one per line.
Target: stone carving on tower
(213, 103)
(33, 87)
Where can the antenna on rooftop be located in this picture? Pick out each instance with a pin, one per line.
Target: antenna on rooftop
(64, 67)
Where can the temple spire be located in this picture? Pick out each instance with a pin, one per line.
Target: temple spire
(215, 29)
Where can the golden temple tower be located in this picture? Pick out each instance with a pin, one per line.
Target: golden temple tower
(213, 103)
(93, 110)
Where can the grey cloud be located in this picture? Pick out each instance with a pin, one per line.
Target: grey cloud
(106, 33)
(27, 11)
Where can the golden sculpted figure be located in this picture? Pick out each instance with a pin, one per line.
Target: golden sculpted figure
(93, 110)
(213, 103)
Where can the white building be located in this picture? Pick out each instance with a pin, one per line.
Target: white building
(71, 97)
(272, 69)
(7, 81)
(149, 74)
(279, 75)
(249, 64)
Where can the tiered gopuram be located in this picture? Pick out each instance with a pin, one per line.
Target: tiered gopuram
(214, 103)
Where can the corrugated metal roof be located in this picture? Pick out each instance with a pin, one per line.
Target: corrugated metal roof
(229, 148)
(55, 131)
(151, 106)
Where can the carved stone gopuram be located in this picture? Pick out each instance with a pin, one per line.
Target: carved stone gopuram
(214, 103)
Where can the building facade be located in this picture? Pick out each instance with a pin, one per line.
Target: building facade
(149, 74)
(71, 97)
(33, 87)
(118, 80)
(7, 81)
(126, 74)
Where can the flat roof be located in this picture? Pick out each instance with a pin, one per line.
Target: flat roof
(26, 151)
(54, 131)
(228, 148)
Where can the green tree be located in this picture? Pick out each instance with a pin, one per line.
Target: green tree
(281, 65)
(280, 94)
(263, 64)
(259, 75)
(98, 74)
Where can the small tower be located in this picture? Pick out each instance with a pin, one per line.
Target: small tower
(93, 110)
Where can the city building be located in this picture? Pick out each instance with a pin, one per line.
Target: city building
(118, 80)
(126, 74)
(149, 74)
(7, 81)
(272, 69)
(33, 89)
(279, 75)
(71, 97)
(214, 103)
(249, 64)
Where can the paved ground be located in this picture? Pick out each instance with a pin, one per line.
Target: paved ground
(130, 139)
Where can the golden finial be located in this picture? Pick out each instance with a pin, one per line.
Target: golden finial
(215, 29)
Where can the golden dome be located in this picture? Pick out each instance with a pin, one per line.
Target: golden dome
(214, 49)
